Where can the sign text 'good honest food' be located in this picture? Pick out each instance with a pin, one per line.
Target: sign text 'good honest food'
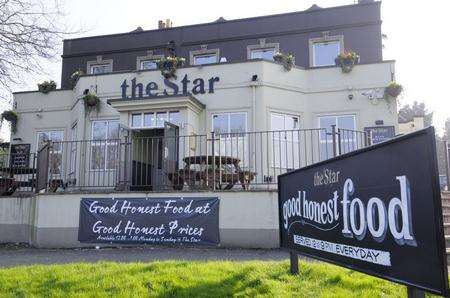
(186, 220)
(376, 210)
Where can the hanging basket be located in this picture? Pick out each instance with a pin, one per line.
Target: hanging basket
(91, 102)
(347, 60)
(169, 65)
(11, 117)
(393, 89)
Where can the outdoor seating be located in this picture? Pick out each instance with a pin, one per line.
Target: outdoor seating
(200, 172)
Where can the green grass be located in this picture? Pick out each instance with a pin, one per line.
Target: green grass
(191, 279)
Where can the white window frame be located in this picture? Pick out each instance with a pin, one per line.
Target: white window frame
(262, 46)
(204, 52)
(98, 62)
(53, 151)
(328, 139)
(228, 122)
(149, 57)
(104, 143)
(285, 140)
(326, 39)
(142, 126)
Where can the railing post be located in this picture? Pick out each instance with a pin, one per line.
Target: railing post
(447, 163)
(213, 138)
(333, 137)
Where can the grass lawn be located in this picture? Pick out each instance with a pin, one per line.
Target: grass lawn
(191, 279)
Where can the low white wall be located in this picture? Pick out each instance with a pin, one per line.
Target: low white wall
(16, 219)
(246, 219)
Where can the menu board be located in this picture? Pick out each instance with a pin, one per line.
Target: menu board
(20, 155)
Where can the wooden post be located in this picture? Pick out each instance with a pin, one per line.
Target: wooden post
(415, 293)
(294, 262)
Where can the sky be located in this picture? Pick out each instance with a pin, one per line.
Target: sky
(416, 35)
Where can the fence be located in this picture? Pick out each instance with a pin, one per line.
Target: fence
(17, 172)
(239, 160)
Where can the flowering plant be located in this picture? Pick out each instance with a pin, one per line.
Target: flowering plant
(47, 86)
(168, 65)
(393, 89)
(91, 101)
(347, 60)
(11, 117)
(286, 59)
(74, 77)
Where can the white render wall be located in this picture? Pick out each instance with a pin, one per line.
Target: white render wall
(307, 93)
(246, 219)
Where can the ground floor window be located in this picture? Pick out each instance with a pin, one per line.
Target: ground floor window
(348, 137)
(155, 119)
(104, 145)
(57, 137)
(229, 129)
(285, 137)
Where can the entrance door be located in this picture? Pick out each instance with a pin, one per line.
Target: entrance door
(170, 151)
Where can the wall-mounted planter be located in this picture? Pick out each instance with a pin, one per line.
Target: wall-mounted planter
(47, 86)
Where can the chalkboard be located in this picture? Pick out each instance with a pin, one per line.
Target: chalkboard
(20, 156)
(380, 133)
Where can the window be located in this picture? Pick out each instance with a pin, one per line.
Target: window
(262, 50)
(229, 129)
(266, 54)
(56, 136)
(204, 56)
(229, 123)
(323, 51)
(155, 120)
(348, 138)
(148, 64)
(104, 145)
(100, 66)
(286, 136)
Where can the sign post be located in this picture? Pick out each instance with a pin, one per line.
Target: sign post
(376, 210)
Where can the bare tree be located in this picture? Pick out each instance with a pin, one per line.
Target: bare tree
(30, 32)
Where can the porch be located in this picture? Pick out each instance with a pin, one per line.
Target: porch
(163, 160)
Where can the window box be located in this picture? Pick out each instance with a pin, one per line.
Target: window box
(286, 59)
(347, 60)
(169, 65)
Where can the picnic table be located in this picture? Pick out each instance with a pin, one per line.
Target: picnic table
(209, 170)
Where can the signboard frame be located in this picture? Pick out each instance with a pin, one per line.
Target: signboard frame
(437, 211)
(370, 130)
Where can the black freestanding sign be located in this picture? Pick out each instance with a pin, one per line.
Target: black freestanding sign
(171, 220)
(376, 210)
(20, 155)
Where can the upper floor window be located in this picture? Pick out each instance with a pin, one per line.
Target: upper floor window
(204, 56)
(262, 50)
(148, 64)
(150, 61)
(323, 51)
(99, 66)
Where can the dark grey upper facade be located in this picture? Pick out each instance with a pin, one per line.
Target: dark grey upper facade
(359, 24)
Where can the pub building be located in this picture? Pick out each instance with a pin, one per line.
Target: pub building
(228, 104)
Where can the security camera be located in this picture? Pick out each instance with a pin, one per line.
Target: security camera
(350, 96)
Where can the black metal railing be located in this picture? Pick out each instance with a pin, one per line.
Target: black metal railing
(17, 173)
(218, 161)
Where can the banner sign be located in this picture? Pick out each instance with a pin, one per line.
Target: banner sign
(380, 133)
(376, 210)
(188, 220)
